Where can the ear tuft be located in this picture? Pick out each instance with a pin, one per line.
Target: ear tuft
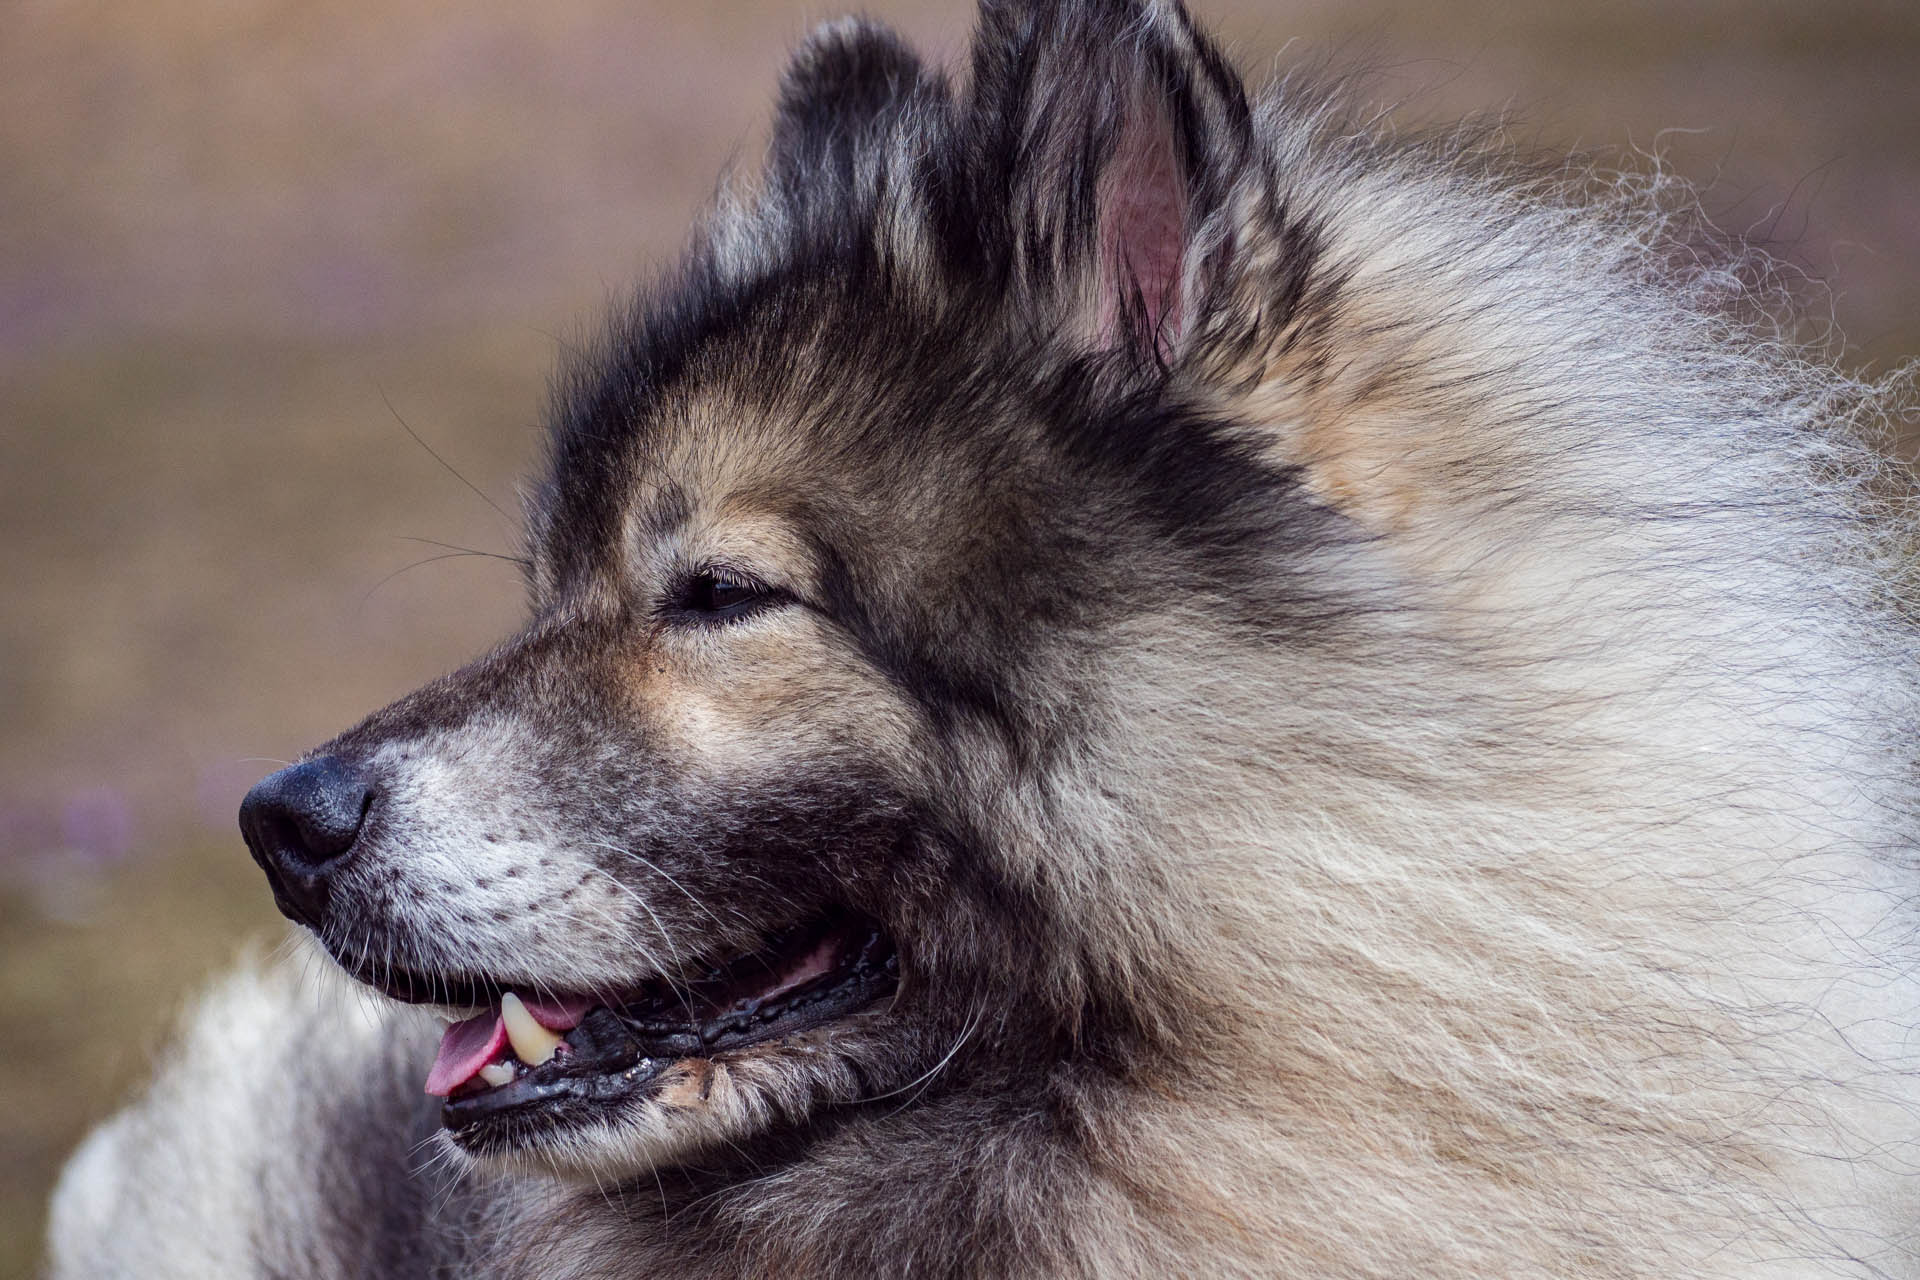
(839, 95)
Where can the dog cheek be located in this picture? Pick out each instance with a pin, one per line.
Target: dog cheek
(754, 705)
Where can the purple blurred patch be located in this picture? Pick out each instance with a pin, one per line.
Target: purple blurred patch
(97, 826)
(27, 833)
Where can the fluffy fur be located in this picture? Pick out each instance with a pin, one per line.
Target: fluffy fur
(1367, 678)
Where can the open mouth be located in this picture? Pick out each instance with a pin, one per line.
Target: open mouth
(539, 1058)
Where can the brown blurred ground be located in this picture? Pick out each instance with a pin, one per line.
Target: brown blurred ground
(233, 232)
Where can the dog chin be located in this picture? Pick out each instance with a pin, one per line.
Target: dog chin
(690, 1108)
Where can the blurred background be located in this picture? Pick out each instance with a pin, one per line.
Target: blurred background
(249, 249)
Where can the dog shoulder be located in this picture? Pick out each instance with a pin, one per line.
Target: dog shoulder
(281, 1136)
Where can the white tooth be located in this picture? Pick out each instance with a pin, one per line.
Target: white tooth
(497, 1073)
(532, 1043)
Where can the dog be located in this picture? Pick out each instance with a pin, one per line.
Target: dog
(1124, 679)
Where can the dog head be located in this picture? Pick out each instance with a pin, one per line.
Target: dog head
(879, 575)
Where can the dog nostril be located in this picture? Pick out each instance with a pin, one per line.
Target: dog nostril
(301, 823)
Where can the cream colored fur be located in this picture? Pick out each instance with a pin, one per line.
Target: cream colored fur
(1564, 925)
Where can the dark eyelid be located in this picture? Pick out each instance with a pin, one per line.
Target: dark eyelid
(690, 601)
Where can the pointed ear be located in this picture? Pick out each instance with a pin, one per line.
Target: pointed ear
(1117, 131)
(844, 90)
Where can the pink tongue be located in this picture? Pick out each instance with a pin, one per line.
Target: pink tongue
(467, 1047)
(471, 1045)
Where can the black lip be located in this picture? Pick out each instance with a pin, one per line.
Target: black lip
(555, 1097)
(615, 1053)
(411, 987)
(472, 991)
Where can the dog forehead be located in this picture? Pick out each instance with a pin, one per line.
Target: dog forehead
(792, 487)
(783, 437)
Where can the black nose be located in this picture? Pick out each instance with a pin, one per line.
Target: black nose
(300, 825)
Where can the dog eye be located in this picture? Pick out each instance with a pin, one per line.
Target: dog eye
(723, 595)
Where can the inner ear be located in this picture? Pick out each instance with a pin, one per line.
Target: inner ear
(1105, 136)
(1144, 233)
